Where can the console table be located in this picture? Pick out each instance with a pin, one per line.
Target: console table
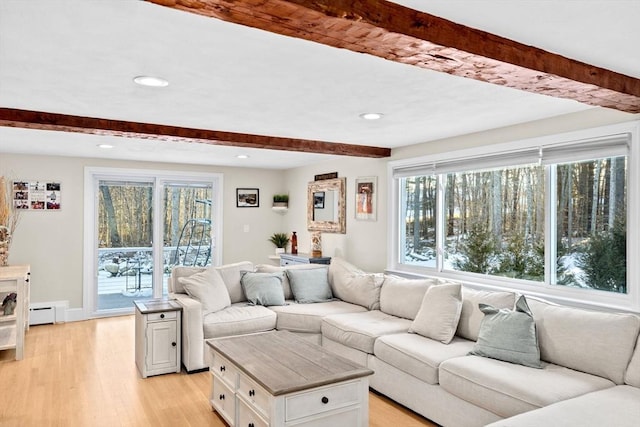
(300, 258)
(15, 278)
(278, 379)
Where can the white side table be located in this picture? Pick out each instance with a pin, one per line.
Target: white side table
(158, 326)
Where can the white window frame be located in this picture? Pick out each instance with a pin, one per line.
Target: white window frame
(629, 301)
(93, 174)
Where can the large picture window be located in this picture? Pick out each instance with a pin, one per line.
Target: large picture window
(553, 215)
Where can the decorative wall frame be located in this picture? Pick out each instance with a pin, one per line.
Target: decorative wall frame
(331, 218)
(366, 192)
(247, 197)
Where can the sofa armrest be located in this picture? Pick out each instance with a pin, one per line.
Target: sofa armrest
(192, 332)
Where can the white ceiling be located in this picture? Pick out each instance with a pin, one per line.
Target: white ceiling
(79, 57)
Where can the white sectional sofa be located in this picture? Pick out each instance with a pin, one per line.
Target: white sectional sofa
(590, 361)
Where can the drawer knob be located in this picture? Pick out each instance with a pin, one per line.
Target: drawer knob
(325, 399)
(162, 316)
(252, 392)
(174, 344)
(222, 368)
(222, 397)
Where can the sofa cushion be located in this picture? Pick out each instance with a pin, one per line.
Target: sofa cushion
(360, 330)
(439, 313)
(309, 286)
(616, 406)
(508, 335)
(595, 342)
(417, 355)
(286, 286)
(208, 288)
(632, 376)
(353, 285)
(180, 271)
(507, 389)
(240, 318)
(263, 288)
(471, 316)
(403, 297)
(308, 317)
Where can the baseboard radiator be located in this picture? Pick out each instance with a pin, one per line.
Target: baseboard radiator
(43, 313)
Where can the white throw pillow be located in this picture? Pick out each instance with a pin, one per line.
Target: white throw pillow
(353, 285)
(208, 288)
(439, 313)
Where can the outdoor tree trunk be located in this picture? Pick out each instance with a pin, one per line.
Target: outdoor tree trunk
(114, 235)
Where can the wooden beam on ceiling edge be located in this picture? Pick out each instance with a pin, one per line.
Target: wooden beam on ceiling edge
(401, 34)
(27, 119)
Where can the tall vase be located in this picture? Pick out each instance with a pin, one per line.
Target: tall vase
(5, 238)
(316, 244)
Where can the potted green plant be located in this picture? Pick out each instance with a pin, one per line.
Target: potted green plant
(280, 200)
(280, 240)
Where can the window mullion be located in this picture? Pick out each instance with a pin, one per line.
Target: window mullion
(551, 225)
(440, 222)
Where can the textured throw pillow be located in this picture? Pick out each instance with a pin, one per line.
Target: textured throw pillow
(310, 285)
(509, 335)
(263, 288)
(208, 288)
(439, 313)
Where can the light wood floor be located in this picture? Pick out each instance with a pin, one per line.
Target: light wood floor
(84, 374)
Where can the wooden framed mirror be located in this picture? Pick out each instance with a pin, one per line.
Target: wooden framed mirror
(326, 206)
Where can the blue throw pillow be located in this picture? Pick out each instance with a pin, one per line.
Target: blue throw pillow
(263, 288)
(310, 285)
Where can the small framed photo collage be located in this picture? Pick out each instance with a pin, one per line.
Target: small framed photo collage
(36, 195)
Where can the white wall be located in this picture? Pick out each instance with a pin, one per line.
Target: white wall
(52, 241)
(365, 242)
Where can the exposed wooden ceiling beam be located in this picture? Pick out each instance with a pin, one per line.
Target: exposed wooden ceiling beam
(12, 117)
(397, 33)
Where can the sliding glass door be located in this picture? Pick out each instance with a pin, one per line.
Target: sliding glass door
(142, 225)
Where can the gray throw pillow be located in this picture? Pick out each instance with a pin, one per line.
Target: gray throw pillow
(508, 335)
(263, 288)
(310, 286)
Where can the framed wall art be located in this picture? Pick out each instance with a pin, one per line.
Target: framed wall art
(36, 195)
(247, 197)
(366, 190)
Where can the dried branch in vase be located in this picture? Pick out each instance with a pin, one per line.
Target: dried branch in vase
(9, 218)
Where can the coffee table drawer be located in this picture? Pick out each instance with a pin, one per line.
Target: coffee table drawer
(255, 395)
(225, 370)
(223, 399)
(248, 418)
(322, 400)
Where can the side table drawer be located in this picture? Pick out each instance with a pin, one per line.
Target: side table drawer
(255, 395)
(223, 399)
(248, 418)
(154, 317)
(322, 400)
(224, 370)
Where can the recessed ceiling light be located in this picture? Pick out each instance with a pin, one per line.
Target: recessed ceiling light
(105, 146)
(242, 156)
(371, 116)
(150, 81)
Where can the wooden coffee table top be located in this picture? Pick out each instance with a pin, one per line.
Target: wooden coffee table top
(283, 363)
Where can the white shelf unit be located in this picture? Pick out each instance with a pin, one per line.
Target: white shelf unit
(15, 278)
